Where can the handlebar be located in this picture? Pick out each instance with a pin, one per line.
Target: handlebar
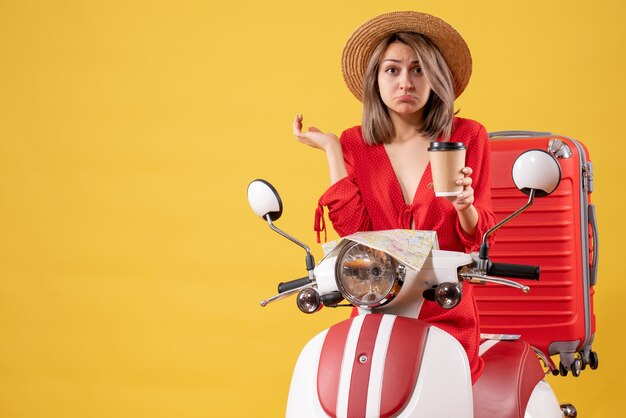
(514, 271)
(293, 284)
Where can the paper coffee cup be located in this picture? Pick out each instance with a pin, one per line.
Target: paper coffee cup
(447, 159)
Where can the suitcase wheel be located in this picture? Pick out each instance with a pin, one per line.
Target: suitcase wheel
(562, 369)
(583, 360)
(593, 360)
(575, 367)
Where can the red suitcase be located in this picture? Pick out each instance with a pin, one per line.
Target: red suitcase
(558, 233)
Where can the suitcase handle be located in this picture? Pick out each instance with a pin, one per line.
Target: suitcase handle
(517, 134)
(593, 269)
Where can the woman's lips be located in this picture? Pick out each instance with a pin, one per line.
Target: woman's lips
(405, 98)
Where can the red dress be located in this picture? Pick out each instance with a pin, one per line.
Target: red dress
(370, 199)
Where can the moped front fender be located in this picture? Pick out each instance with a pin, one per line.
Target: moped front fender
(359, 355)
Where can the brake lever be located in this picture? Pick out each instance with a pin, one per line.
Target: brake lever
(286, 294)
(483, 278)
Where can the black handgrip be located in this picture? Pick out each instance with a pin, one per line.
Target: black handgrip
(332, 299)
(293, 284)
(513, 271)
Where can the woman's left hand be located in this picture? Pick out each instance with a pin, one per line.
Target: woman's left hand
(466, 198)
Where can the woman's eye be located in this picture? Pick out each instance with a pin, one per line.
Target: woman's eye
(417, 70)
(391, 70)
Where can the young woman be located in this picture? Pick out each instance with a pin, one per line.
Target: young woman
(407, 68)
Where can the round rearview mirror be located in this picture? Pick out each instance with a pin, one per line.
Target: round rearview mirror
(264, 199)
(538, 170)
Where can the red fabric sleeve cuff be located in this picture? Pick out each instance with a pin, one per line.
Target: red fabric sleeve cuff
(319, 224)
(338, 192)
(468, 241)
(472, 242)
(332, 197)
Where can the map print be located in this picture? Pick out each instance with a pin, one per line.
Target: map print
(408, 246)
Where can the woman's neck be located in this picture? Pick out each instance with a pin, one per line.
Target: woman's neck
(406, 127)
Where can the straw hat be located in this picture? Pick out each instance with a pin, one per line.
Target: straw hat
(361, 44)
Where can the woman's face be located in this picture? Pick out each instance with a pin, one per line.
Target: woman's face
(402, 84)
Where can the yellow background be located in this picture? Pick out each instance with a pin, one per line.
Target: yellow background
(130, 264)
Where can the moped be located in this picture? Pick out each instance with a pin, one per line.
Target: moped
(384, 362)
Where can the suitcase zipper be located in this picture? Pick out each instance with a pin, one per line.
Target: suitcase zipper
(588, 177)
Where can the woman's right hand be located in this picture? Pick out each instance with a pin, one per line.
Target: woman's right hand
(327, 142)
(314, 137)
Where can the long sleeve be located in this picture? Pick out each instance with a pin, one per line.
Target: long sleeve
(346, 209)
(478, 159)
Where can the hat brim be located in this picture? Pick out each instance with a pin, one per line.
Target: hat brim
(362, 42)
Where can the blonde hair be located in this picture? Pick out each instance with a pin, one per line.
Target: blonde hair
(439, 109)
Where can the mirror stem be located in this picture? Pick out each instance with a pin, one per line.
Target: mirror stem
(310, 261)
(483, 255)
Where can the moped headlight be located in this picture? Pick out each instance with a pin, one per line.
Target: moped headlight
(368, 277)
